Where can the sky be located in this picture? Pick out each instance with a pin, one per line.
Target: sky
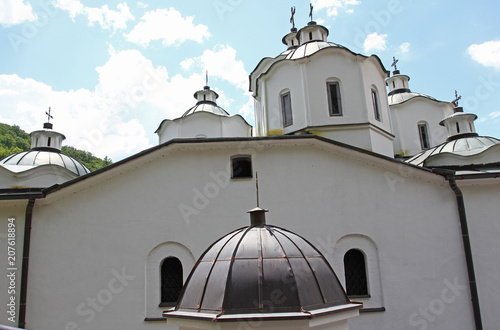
(111, 71)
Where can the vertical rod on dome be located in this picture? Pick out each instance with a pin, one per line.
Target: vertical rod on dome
(257, 186)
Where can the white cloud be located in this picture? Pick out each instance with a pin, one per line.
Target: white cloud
(332, 6)
(169, 26)
(105, 17)
(15, 12)
(404, 47)
(487, 53)
(222, 63)
(375, 42)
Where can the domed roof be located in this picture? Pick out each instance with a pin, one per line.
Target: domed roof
(206, 102)
(245, 270)
(206, 106)
(25, 160)
(464, 146)
(309, 48)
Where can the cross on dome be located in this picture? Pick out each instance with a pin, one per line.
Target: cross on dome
(394, 62)
(292, 20)
(457, 98)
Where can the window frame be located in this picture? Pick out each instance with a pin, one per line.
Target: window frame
(249, 172)
(162, 278)
(425, 142)
(329, 86)
(376, 105)
(287, 120)
(363, 277)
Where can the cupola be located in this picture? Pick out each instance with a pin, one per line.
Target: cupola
(397, 83)
(262, 272)
(312, 32)
(45, 150)
(204, 120)
(459, 124)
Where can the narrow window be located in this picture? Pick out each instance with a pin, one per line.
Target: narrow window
(286, 109)
(204, 97)
(334, 104)
(424, 136)
(458, 128)
(48, 142)
(310, 36)
(393, 84)
(36, 143)
(241, 167)
(470, 126)
(171, 281)
(376, 109)
(355, 273)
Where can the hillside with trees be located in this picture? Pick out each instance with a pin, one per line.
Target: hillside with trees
(13, 140)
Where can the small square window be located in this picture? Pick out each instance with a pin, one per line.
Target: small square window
(241, 167)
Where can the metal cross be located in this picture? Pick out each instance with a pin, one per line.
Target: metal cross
(457, 97)
(311, 12)
(206, 77)
(49, 116)
(394, 62)
(292, 20)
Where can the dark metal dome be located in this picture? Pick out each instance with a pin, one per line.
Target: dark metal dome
(260, 269)
(47, 156)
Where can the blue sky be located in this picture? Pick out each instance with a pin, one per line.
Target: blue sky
(113, 70)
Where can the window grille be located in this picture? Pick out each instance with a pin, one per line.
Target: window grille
(355, 273)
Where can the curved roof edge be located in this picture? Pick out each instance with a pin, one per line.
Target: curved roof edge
(414, 96)
(312, 137)
(200, 112)
(322, 50)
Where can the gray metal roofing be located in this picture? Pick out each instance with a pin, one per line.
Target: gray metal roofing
(247, 267)
(45, 157)
(458, 146)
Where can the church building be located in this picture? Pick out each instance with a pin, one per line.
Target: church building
(388, 196)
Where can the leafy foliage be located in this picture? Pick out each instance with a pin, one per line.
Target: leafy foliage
(13, 140)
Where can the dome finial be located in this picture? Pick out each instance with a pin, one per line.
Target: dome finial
(311, 11)
(457, 98)
(257, 215)
(48, 125)
(292, 20)
(206, 78)
(394, 64)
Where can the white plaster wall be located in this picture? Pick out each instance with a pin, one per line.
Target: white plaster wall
(81, 239)
(16, 210)
(407, 115)
(35, 177)
(484, 230)
(204, 124)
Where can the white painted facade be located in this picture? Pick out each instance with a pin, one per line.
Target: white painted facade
(97, 242)
(410, 111)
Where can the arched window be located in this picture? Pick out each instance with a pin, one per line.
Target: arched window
(334, 100)
(423, 133)
(171, 281)
(286, 109)
(355, 273)
(376, 108)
